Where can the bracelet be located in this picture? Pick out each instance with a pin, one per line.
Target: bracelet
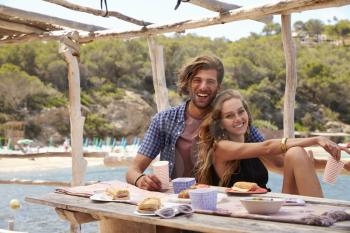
(138, 179)
(284, 145)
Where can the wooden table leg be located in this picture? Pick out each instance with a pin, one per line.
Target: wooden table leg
(75, 219)
(161, 229)
(119, 226)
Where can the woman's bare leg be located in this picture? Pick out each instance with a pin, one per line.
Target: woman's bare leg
(299, 174)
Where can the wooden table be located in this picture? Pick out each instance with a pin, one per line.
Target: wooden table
(119, 217)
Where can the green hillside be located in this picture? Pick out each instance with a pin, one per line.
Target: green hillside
(33, 76)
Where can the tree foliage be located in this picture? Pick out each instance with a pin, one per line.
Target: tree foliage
(33, 76)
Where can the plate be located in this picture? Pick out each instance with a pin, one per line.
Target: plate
(233, 192)
(144, 214)
(174, 198)
(105, 198)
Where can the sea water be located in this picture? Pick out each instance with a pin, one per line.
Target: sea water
(35, 218)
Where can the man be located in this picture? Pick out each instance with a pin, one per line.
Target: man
(173, 132)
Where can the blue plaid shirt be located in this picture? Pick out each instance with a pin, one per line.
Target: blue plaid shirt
(165, 129)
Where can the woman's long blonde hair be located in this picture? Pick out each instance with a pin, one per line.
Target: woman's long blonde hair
(210, 133)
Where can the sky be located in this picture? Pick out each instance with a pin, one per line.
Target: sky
(162, 12)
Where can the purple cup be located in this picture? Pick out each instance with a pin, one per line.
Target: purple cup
(183, 183)
(204, 199)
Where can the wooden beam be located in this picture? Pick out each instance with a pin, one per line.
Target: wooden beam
(75, 217)
(17, 27)
(47, 36)
(214, 5)
(234, 15)
(52, 154)
(158, 73)
(93, 11)
(291, 77)
(322, 5)
(42, 182)
(15, 39)
(79, 164)
(47, 19)
(223, 7)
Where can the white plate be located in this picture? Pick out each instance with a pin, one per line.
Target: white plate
(174, 198)
(144, 214)
(104, 197)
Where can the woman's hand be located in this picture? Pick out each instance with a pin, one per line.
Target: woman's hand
(332, 148)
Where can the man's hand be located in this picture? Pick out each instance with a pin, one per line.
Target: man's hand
(149, 182)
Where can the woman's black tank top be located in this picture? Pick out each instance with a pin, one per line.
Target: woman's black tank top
(250, 170)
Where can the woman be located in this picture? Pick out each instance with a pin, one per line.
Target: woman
(225, 158)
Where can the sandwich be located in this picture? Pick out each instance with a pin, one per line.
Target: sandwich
(149, 205)
(243, 186)
(117, 193)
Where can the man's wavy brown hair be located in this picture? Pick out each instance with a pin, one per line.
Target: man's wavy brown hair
(187, 72)
(210, 133)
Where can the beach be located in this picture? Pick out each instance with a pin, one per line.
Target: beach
(42, 163)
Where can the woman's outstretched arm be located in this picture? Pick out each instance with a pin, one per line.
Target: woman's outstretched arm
(228, 150)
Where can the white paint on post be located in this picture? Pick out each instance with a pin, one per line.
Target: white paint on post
(291, 77)
(158, 73)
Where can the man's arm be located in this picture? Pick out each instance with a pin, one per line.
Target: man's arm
(135, 172)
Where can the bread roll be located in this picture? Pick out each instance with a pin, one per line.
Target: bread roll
(118, 193)
(149, 204)
(184, 194)
(243, 186)
(199, 186)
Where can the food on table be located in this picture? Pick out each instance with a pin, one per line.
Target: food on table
(149, 205)
(184, 194)
(198, 186)
(243, 186)
(118, 193)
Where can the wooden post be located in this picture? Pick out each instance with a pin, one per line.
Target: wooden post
(159, 83)
(70, 48)
(291, 77)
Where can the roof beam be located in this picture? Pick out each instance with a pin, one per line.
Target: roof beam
(222, 7)
(17, 27)
(243, 13)
(214, 5)
(93, 11)
(230, 16)
(47, 19)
